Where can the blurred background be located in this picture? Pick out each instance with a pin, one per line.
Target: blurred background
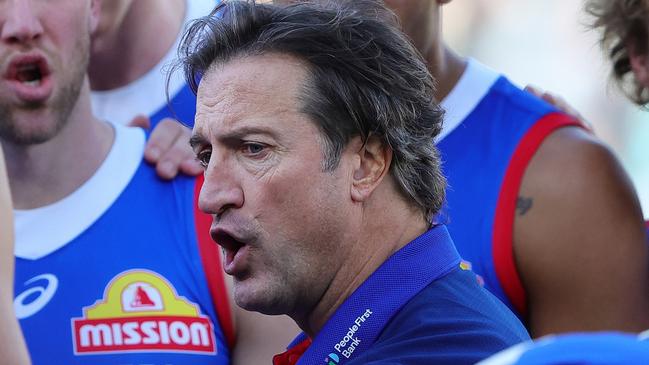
(547, 44)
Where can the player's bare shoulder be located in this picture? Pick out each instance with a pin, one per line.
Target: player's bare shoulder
(581, 230)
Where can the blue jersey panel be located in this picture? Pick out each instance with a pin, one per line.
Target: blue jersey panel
(129, 290)
(182, 107)
(576, 348)
(589, 349)
(453, 321)
(476, 155)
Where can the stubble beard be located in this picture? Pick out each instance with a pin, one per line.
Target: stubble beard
(268, 293)
(289, 286)
(12, 130)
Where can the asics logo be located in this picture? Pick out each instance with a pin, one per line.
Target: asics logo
(32, 300)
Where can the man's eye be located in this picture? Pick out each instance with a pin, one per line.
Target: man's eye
(203, 157)
(253, 148)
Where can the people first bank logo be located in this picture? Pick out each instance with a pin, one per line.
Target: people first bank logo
(348, 344)
(141, 312)
(332, 359)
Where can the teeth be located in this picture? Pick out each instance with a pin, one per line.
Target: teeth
(32, 83)
(29, 74)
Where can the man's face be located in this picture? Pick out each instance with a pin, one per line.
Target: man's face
(279, 217)
(43, 61)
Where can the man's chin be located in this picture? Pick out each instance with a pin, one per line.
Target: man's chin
(26, 128)
(258, 299)
(27, 137)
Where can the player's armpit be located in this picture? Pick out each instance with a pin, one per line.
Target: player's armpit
(580, 249)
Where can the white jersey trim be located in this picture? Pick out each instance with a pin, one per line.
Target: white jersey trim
(41, 231)
(147, 95)
(473, 86)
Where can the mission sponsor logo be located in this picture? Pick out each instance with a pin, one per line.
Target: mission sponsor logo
(141, 312)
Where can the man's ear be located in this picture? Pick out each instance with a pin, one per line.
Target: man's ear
(373, 163)
(95, 14)
(639, 64)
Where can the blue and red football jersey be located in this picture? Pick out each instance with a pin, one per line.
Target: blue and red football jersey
(121, 271)
(492, 129)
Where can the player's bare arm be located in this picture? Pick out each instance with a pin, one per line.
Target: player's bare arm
(12, 345)
(579, 241)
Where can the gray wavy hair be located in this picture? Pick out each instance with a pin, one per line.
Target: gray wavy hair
(365, 79)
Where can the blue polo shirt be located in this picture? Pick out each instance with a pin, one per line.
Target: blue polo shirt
(418, 307)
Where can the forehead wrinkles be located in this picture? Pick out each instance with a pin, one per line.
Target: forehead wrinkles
(231, 95)
(265, 85)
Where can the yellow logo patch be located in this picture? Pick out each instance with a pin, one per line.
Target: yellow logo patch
(142, 312)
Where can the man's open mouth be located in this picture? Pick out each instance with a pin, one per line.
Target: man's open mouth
(29, 74)
(234, 251)
(29, 77)
(227, 241)
(28, 70)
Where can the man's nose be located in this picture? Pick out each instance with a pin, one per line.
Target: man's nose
(220, 192)
(20, 22)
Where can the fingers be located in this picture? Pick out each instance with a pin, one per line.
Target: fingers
(191, 166)
(534, 90)
(140, 121)
(555, 100)
(162, 138)
(178, 157)
(168, 149)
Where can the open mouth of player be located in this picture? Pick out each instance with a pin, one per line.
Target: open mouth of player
(29, 77)
(30, 74)
(234, 251)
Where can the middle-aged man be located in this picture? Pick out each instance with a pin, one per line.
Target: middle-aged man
(314, 126)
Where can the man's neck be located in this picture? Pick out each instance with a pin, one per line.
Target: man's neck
(138, 44)
(378, 239)
(446, 67)
(42, 174)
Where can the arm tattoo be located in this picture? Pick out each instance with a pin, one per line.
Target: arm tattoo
(523, 205)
